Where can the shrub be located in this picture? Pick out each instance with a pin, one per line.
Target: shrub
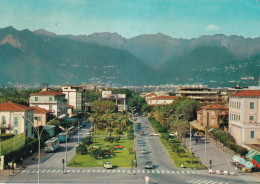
(111, 141)
(97, 153)
(165, 136)
(87, 141)
(131, 151)
(131, 130)
(81, 150)
(130, 136)
(6, 136)
(117, 139)
(107, 139)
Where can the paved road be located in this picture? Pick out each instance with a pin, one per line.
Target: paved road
(163, 173)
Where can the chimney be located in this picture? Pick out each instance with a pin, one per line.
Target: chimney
(45, 89)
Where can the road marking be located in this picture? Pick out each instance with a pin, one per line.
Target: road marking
(138, 171)
(103, 171)
(108, 171)
(88, 170)
(163, 171)
(73, 171)
(148, 171)
(58, 171)
(48, 171)
(167, 171)
(143, 171)
(158, 171)
(114, 171)
(187, 172)
(153, 171)
(198, 173)
(183, 172)
(53, 171)
(93, 171)
(32, 171)
(178, 172)
(173, 172)
(67, 171)
(118, 171)
(98, 171)
(123, 171)
(23, 171)
(83, 171)
(192, 172)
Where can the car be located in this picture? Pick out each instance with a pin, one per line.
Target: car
(172, 134)
(141, 132)
(144, 151)
(148, 165)
(88, 133)
(143, 115)
(108, 165)
(154, 134)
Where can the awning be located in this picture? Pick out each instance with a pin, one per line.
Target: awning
(197, 126)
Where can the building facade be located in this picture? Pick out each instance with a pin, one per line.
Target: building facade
(41, 116)
(161, 100)
(212, 115)
(75, 96)
(118, 99)
(16, 119)
(244, 116)
(51, 100)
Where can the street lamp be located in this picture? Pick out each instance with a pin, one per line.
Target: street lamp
(206, 142)
(133, 120)
(66, 132)
(39, 133)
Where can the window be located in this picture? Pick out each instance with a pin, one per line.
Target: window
(164, 101)
(252, 134)
(3, 121)
(251, 118)
(36, 99)
(39, 118)
(252, 105)
(15, 121)
(212, 113)
(15, 132)
(50, 107)
(50, 98)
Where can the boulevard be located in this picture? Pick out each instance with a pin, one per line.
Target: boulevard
(164, 170)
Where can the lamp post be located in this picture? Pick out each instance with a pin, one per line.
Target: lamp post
(66, 132)
(133, 120)
(39, 133)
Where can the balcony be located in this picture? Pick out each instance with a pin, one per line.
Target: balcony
(4, 127)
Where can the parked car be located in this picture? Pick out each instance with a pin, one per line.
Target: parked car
(154, 134)
(141, 132)
(108, 165)
(148, 165)
(88, 133)
(144, 151)
(173, 134)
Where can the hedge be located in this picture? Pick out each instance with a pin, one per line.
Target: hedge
(227, 140)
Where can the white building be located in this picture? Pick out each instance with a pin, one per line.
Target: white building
(75, 96)
(244, 116)
(12, 120)
(118, 99)
(53, 101)
(161, 100)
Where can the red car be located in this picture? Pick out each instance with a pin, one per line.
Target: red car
(141, 132)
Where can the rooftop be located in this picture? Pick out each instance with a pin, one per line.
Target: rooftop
(164, 98)
(39, 110)
(10, 106)
(215, 106)
(48, 93)
(247, 93)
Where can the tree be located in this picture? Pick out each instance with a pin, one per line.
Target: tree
(101, 106)
(137, 102)
(87, 141)
(181, 127)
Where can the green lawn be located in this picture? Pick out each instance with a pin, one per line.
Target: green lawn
(121, 158)
(103, 132)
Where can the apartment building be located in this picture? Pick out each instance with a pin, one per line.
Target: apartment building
(16, 119)
(244, 116)
(51, 100)
(75, 96)
(118, 99)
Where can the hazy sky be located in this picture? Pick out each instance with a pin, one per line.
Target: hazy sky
(129, 18)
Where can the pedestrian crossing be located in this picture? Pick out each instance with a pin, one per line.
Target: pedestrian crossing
(112, 171)
(205, 182)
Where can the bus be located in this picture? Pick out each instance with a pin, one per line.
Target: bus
(52, 145)
(62, 137)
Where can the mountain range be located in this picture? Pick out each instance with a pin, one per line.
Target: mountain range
(28, 57)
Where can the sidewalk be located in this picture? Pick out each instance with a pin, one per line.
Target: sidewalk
(219, 158)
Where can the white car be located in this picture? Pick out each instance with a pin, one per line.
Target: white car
(88, 133)
(154, 134)
(108, 165)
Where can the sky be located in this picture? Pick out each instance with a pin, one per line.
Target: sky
(130, 18)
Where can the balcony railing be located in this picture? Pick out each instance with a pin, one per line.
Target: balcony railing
(5, 127)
